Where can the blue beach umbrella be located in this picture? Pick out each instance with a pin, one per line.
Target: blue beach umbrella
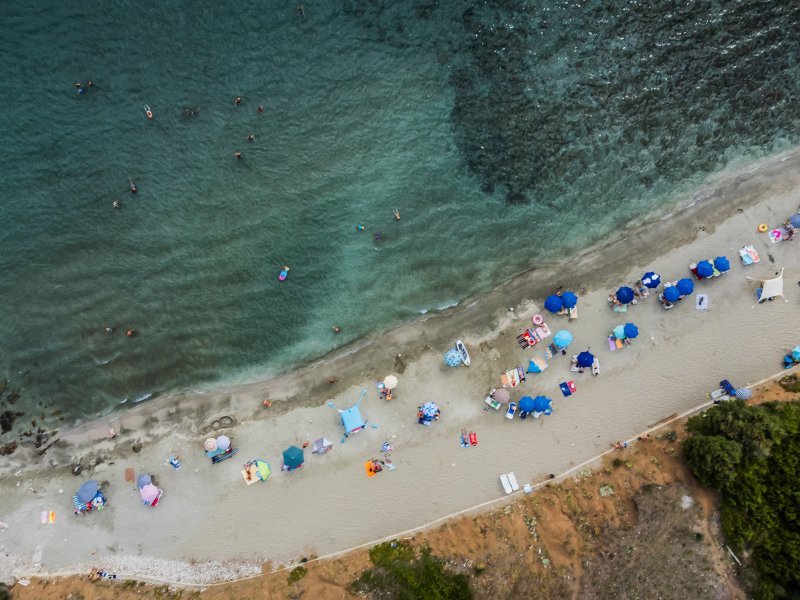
(796, 354)
(293, 457)
(631, 330)
(625, 294)
(143, 480)
(554, 303)
(569, 299)
(722, 264)
(429, 410)
(651, 280)
(619, 332)
(88, 491)
(671, 294)
(562, 338)
(794, 220)
(585, 359)
(526, 404)
(685, 286)
(542, 404)
(452, 358)
(705, 268)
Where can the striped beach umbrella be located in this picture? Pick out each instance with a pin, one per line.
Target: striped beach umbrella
(651, 280)
(452, 358)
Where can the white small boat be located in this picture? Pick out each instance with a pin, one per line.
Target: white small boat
(462, 350)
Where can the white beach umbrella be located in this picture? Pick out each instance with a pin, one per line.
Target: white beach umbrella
(223, 443)
(390, 382)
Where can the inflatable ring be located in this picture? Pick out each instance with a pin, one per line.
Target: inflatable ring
(538, 320)
(763, 228)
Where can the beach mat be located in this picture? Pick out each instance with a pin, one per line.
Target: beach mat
(129, 474)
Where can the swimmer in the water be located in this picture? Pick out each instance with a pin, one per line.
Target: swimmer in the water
(237, 101)
(132, 185)
(360, 227)
(251, 138)
(336, 329)
(130, 332)
(396, 214)
(238, 155)
(115, 204)
(260, 108)
(79, 88)
(302, 10)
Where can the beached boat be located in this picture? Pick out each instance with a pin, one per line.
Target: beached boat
(462, 350)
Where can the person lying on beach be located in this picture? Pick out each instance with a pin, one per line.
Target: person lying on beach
(618, 445)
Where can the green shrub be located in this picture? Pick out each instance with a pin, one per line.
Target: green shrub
(399, 574)
(297, 574)
(751, 454)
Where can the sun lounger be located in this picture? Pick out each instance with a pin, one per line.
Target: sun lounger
(574, 366)
(573, 313)
(510, 378)
(505, 483)
(492, 402)
(473, 438)
(523, 339)
(512, 479)
(512, 409)
(596, 366)
(748, 255)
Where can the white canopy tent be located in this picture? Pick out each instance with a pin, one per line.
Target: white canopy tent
(770, 288)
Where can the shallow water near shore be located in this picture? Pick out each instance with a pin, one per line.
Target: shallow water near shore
(507, 138)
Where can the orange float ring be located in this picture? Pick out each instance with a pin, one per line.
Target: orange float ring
(763, 228)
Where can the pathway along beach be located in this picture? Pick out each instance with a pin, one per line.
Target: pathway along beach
(209, 514)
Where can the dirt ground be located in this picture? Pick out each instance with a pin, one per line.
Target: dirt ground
(639, 527)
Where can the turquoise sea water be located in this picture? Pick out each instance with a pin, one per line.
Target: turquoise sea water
(506, 133)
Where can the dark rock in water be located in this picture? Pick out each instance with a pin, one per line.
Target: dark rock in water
(137, 447)
(399, 364)
(7, 449)
(77, 469)
(7, 421)
(3, 385)
(13, 396)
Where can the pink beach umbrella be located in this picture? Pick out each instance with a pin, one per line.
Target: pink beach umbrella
(502, 396)
(149, 493)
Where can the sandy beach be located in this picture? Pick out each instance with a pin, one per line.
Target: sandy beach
(210, 526)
